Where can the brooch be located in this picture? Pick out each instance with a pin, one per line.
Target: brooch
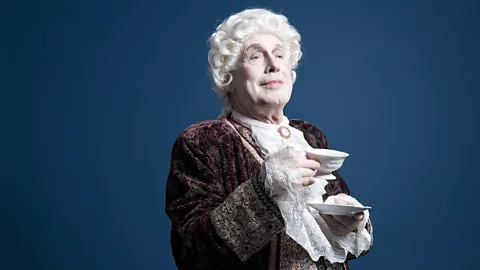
(284, 132)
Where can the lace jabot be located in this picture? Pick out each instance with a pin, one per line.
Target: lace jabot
(303, 224)
(271, 137)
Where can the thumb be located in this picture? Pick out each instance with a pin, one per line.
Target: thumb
(359, 216)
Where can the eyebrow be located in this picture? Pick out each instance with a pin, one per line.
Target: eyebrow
(258, 45)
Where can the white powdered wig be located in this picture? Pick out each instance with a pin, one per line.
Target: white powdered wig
(229, 36)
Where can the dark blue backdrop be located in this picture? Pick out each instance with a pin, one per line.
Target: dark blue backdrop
(110, 84)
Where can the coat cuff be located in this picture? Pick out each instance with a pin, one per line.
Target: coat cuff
(247, 219)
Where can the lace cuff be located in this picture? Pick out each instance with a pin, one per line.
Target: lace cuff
(369, 229)
(282, 183)
(355, 243)
(247, 219)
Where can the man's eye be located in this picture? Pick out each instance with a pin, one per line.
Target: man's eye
(255, 56)
(280, 56)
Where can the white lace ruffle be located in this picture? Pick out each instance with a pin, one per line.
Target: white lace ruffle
(354, 242)
(283, 184)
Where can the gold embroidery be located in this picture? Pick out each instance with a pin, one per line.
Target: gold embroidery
(294, 256)
(244, 222)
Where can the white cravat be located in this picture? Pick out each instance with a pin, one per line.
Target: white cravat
(268, 137)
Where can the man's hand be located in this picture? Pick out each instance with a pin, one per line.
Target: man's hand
(343, 225)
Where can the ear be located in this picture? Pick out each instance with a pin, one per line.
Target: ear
(229, 88)
(228, 82)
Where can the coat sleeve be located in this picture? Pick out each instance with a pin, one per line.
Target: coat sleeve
(317, 139)
(209, 226)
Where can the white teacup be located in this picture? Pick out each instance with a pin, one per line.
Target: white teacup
(330, 160)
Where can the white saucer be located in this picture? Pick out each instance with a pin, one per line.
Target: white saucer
(338, 209)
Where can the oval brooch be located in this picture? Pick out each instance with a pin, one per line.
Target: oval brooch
(284, 132)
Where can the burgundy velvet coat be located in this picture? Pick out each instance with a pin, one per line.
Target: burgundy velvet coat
(221, 217)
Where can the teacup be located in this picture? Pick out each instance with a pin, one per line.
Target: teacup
(330, 160)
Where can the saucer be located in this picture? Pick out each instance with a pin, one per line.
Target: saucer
(338, 209)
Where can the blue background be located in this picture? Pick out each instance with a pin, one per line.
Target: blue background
(95, 92)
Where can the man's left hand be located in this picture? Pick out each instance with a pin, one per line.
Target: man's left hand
(343, 225)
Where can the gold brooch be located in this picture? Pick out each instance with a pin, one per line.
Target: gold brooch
(284, 132)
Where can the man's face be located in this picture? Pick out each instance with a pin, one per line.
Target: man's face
(263, 74)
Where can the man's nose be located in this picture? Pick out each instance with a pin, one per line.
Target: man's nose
(272, 65)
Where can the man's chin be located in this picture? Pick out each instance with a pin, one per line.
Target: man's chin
(274, 102)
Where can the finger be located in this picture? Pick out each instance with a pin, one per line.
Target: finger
(309, 164)
(291, 152)
(306, 172)
(348, 221)
(335, 226)
(341, 201)
(308, 181)
(310, 156)
(359, 216)
(300, 156)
